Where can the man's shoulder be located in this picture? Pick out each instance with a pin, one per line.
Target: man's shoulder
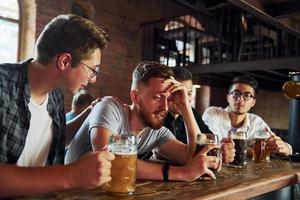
(110, 106)
(9, 69)
(111, 101)
(56, 96)
(254, 118)
(213, 110)
(160, 132)
(14, 82)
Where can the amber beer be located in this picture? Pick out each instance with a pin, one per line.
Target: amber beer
(123, 169)
(260, 152)
(123, 174)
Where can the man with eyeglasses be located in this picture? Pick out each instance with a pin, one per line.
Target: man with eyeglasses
(241, 98)
(34, 132)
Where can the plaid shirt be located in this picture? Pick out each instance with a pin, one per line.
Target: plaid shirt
(15, 115)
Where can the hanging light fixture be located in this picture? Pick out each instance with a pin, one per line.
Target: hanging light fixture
(291, 89)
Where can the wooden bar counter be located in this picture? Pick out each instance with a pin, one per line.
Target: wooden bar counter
(231, 183)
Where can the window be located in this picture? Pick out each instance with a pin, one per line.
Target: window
(183, 31)
(9, 30)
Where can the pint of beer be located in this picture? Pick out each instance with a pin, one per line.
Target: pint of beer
(205, 139)
(240, 144)
(260, 150)
(123, 171)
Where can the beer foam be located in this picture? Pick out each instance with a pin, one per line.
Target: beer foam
(261, 137)
(125, 153)
(203, 139)
(238, 136)
(123, 149)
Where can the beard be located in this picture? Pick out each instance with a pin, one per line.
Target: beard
(148, 118)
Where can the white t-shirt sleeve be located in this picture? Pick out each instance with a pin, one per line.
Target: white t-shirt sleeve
(106, 114)
(211, 118)
(164, 135)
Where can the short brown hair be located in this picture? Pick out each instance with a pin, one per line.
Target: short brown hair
(70, 34)
(150, 69)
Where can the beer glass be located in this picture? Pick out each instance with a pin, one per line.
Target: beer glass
(291, 89)
(123, 170)
(240, 144)
(205, 139)
(260, 151)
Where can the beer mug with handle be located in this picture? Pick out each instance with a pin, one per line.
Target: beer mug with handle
(205, 139)
(260, 151)
(240, 144)
(123, 170)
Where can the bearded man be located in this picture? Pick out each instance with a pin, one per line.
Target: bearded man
(153, 88)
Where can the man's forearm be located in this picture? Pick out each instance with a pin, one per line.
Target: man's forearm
(73, 126)
(192, 131)
(153, 171)
(17, 181)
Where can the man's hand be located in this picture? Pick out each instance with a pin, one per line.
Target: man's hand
(179, 96)
(92, 170)
(228, 150)
(95, 102)
(201, 164)
(276, 145)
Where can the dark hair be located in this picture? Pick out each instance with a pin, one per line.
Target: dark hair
(82, 99)
(70, 34)
(150, 69)
(182, 74)
(249, 80)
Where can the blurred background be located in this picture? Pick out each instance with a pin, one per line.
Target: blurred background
(215, 39)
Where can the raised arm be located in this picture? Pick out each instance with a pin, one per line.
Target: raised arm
(180, 102)
(73, 125)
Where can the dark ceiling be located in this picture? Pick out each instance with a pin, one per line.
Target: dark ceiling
(270, 73)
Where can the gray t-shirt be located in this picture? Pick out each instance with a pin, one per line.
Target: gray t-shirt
(110, 114)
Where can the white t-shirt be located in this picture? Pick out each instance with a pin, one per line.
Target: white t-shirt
(39, 137)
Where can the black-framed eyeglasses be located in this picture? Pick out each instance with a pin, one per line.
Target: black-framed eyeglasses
(94, 71)
(237, 95)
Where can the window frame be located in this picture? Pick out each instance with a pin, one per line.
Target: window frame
(19, 24)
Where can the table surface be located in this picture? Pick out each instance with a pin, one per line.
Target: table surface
(231, 183)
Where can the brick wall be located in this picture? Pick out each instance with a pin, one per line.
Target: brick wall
(273, 107)
(121, 19)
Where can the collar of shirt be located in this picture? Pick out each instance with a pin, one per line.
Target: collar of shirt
(246, 125)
